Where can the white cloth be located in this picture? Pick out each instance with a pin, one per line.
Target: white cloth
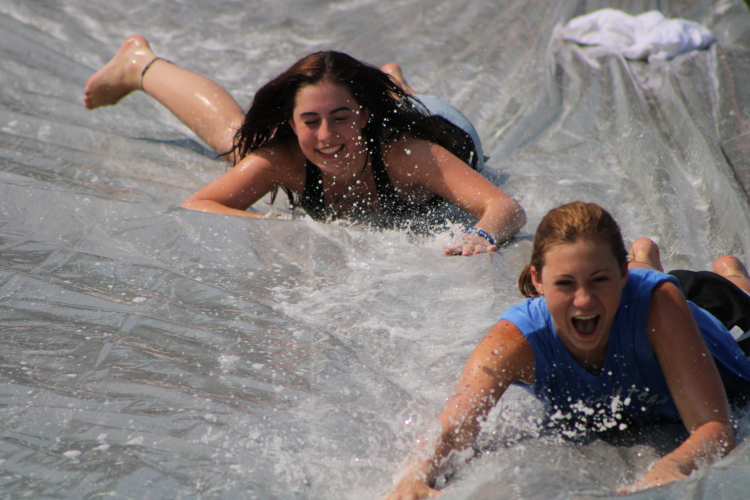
(647, 36)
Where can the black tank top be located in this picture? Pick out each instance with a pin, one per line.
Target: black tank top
(391, 204)
(394, 211)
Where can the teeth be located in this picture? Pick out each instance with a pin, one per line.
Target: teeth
(585, 324)
(331, 150)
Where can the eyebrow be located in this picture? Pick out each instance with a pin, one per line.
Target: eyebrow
(342, 108)
(565, 275)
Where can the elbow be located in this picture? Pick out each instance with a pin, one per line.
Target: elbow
(514, 219)
(189, 203)
(198, 205)
(519, 216)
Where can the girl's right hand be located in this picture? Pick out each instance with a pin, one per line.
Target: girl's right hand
(470, 244)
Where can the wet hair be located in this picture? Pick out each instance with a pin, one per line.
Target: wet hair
(392, 110)
(568, 224)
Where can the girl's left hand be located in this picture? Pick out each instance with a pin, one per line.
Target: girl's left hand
(663, 472)
(470, 244)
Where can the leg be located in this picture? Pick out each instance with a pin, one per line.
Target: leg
(202, 105)
(394, 70)
(732, 269)
(644, 254)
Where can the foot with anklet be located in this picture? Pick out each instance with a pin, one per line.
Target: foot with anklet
(121, 75)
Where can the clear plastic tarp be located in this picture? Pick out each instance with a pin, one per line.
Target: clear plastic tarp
(148, 351)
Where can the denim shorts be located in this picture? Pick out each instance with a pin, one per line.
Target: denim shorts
(439, 107)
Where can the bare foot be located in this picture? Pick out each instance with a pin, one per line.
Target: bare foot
(732, 269)
(120, 76)
(394, 70)
(644, 253)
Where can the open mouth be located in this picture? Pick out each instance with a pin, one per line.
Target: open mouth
(585, 325)
(332, 150)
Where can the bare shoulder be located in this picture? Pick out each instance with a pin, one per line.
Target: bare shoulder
(409, 156)
(405, 150)
(282, 154)
(506, 352)
(281, 160)
(670, 320)
(667, 288)
(667, 297)
(412, 162)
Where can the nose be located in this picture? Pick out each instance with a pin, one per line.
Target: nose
(325, 131)
(582, 298)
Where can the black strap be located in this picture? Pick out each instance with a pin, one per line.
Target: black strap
(383, 185)
(313, 200)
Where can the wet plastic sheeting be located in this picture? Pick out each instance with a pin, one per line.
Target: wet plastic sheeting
(153, 352)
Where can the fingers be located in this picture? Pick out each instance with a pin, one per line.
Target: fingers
(479, 248)
(470, 246)
(663, 472)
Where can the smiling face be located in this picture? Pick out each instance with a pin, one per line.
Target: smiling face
(582, 284)
(328, 122)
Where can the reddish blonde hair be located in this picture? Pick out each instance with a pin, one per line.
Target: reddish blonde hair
(568, 224)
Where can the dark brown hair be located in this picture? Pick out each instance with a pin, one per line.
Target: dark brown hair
(569, 224)
(392, 110)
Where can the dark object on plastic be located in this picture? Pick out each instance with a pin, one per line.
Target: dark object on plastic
(720, 297)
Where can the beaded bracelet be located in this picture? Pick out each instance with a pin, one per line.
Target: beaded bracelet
(483, 234)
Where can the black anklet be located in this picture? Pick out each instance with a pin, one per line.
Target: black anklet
(143, 73)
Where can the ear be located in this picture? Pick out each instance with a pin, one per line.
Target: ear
(536, 280)
(365, 114)
(292, 124)
(624, 276)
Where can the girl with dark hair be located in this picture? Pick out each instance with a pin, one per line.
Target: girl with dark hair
(341, 138)
(606, 340)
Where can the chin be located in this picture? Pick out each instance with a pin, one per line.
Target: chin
(330, 167)
(596, 340)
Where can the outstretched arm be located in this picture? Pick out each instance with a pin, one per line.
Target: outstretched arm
(695, 385)
(501, 358)
(433, 167)
(251, 179)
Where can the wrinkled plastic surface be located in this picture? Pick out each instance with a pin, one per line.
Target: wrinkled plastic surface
(148, 351)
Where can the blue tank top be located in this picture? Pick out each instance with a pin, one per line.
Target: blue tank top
(631, 386)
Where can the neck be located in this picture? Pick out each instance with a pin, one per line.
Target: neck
(592, 362)
(348, 181)
(351, 174)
